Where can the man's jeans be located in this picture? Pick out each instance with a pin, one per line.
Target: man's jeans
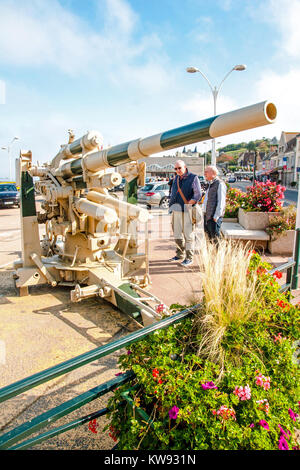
(183, 230)
(212, 228)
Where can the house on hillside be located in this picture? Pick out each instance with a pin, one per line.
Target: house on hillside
(247, 159)
(285, 163)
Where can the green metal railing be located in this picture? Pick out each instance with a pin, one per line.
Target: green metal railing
(289, 268)
(9, 439)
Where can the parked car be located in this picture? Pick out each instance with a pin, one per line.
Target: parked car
(120, 187)
(154, 194)
(9, 195)
(231, 179)
(203, 183)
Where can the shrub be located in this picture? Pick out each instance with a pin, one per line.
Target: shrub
(235, 198)
(224, 379)
(280, 224)
(264, 197)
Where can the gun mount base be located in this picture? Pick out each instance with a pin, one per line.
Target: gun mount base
(96, 279)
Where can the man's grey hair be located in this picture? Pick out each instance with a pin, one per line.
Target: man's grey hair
(182, 163)
(213, 168)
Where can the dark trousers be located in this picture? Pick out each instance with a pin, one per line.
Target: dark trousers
(212, 228)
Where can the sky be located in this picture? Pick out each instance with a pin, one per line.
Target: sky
(119, 67)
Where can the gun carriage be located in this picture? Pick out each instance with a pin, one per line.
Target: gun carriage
(91, 237)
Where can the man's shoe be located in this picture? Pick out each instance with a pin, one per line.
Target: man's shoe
(175, 258)
(187, 262)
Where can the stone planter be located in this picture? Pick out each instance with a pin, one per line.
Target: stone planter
(230, 220)
(255, 220)
(284, 245)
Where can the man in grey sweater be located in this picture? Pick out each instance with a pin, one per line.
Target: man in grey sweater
(214, 203)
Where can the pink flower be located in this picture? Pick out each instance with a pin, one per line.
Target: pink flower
(263, 405)
(226, 413)
(244, 393)
(173, 412)
(208, 386)
(263, 381)
(282, 444)
(283, 433)
(292, 414)
(264, 424)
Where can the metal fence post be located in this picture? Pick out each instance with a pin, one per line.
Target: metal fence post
(297, 242)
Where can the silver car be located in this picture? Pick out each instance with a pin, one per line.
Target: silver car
(154, 194)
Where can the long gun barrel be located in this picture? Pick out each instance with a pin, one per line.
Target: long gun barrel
(238, 120)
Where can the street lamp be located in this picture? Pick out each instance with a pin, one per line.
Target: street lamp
(215, 90)
(9, 157)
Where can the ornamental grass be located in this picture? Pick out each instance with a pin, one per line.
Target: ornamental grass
(230, 296)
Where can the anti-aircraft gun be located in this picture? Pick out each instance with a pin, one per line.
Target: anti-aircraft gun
(90, 239)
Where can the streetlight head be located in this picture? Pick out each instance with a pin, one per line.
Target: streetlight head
(192, 69)
(240, 67)
(3, 148)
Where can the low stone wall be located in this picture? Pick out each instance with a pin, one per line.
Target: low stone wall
(284, 245)
(255, 220)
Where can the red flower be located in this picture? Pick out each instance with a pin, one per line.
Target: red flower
(93, 426)
(261, 270)
(155, 373)
(277, 274)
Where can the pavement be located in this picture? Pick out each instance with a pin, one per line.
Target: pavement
(45, 329)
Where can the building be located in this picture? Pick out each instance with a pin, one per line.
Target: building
(164, 166)
(285, 164)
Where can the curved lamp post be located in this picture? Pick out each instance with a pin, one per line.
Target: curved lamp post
(9, 157)
(215, 91)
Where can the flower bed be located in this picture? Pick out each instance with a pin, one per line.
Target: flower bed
(234, 199)
(224, 379)
(282, 223)
(264, 197)
(281, 229)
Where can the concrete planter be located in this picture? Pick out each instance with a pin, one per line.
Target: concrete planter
(255, 220)
(230, 220)
(284, 245)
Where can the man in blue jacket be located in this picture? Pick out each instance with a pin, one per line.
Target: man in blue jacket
(186, 192)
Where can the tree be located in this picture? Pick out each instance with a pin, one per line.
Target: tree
(251, 147)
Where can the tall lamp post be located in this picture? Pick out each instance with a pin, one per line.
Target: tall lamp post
(215, 91)
(9, 156)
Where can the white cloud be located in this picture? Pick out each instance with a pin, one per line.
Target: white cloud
(200, 106)
(283, 90)
(45, 34)
(120, 13)
(281, 84)
(203, 30)
(284, 15)
(225, 4)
